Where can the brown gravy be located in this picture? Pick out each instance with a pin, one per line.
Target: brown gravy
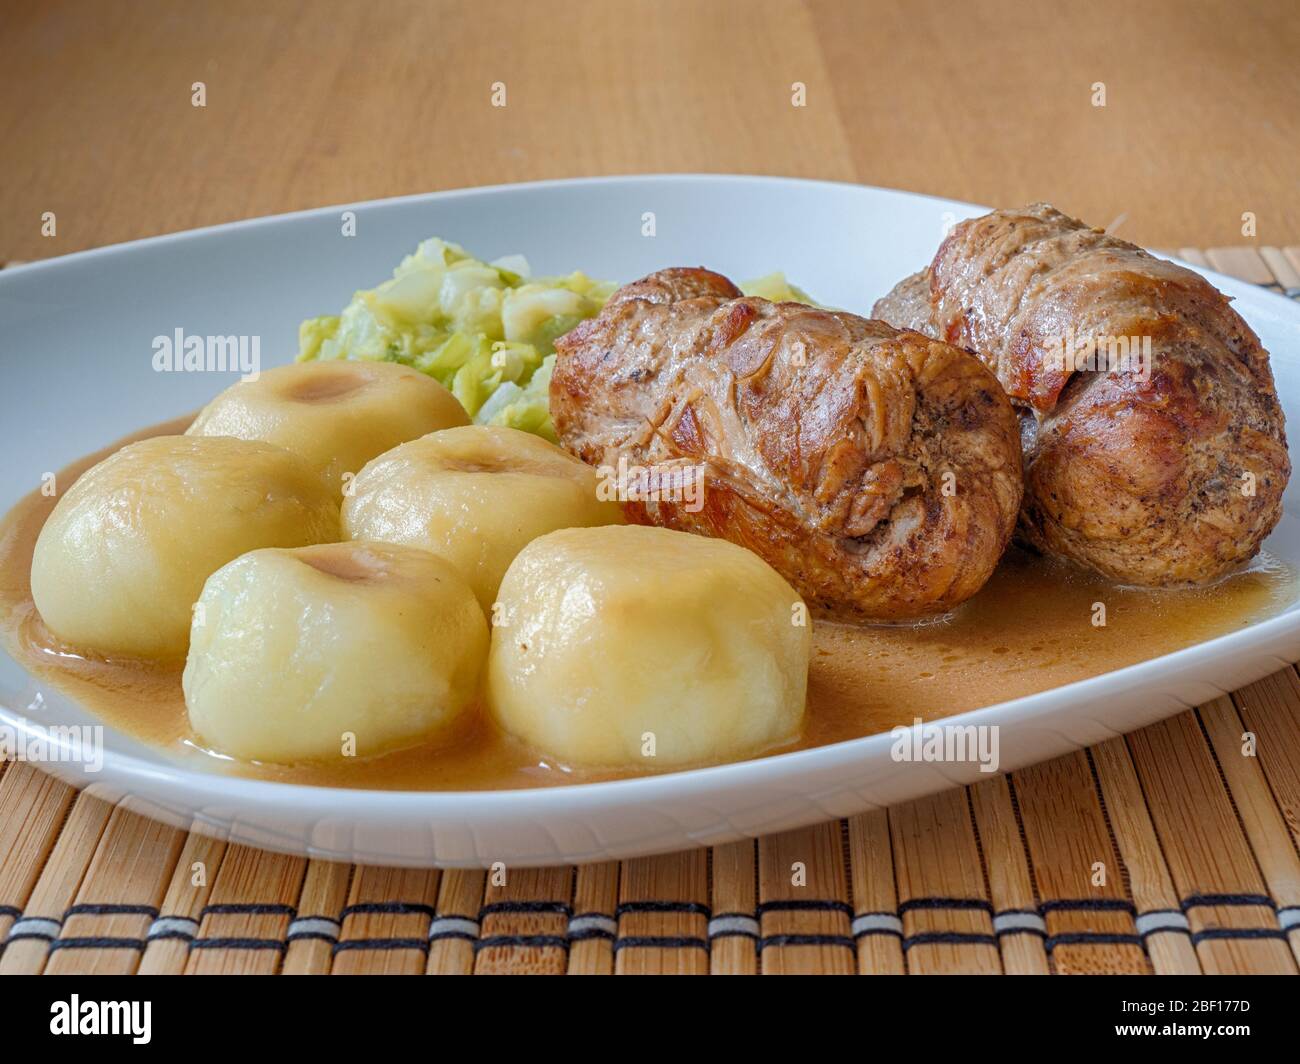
(1030, 629)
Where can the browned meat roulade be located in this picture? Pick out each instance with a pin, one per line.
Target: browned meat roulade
(1155, 448)
(877, 470)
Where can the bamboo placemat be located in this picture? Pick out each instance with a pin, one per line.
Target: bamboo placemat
(1163, 851)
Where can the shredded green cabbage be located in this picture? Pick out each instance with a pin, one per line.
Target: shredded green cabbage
(483, 329)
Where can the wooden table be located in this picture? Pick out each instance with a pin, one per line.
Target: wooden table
(336, 101)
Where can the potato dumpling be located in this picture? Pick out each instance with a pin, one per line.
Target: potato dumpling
(620, 643)
(475, 496)
(123, 556)
(337, 415)
(344, 649)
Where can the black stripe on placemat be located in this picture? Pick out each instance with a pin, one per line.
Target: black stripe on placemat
(1091, 938)
(386, 944)
(1093, 905)
(248, 909)
(495, 908)
(661, 942)
(811, 906)
(949, 938)
(692, 908)
(939, 903)
(768, 941)
(111, 910)
(1198, 901)
(1216, 933)
(394, 908)
(97, 943)
(238, 943)
(523, 942)
(9, 910)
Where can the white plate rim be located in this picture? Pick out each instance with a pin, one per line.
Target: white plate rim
(565, 799)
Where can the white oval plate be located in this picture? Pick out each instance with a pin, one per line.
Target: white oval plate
(77, 372)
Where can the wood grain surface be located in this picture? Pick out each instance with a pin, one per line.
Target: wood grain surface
(316, 102)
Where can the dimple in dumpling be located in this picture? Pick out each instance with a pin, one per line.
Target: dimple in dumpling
(475, 496)
(332, 651)
(641, 647)
(338, 415)
(124, 554)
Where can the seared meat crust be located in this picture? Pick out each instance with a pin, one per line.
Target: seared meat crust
(1165, 479)
(877, 470)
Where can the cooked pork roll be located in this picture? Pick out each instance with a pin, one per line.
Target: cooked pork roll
(877, 470)
(1155, 448)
